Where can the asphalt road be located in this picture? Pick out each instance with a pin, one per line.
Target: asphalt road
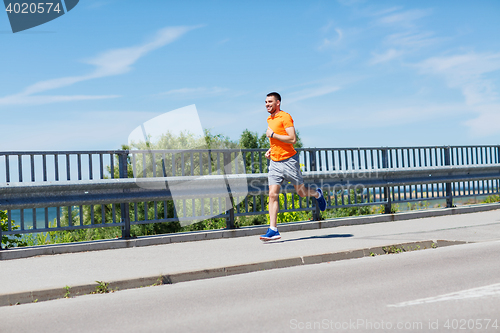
(451, 289)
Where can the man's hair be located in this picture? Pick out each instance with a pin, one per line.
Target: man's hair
(275, 95)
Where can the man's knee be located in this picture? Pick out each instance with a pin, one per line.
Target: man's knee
(273, 196)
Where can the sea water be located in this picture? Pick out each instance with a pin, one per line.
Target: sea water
(15, 216)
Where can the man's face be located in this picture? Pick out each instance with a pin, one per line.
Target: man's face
(272, 104)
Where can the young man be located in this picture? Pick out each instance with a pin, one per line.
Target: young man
(284, 162)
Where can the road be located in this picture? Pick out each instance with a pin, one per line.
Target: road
(440, 290)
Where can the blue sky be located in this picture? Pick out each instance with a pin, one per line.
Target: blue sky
(351, 73)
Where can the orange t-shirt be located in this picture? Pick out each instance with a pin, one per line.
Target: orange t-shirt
(280, 150)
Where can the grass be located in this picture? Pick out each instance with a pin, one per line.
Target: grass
(102, 288)
(67, 293)
(393, 249)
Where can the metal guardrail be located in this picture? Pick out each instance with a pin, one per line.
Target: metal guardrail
(34, 166)
(96, 190)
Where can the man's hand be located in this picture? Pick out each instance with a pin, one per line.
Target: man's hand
(268, 154)
(289, 137)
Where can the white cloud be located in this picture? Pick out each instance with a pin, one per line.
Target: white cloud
(109, 63)
(350, 2)
(310, 93)
(487, 122)
(405, 19)
(74, 131)
(376, 13)
(404, 43)
(40, 100)
(412, 39)
(467, 72)
(118, 61)
(340, 33)
(479, 91)
(326, 28)
(379, 116)
(98, 4)
(328, 42)
(224, 41)
(408, 39)
(387, 56)
(204, 91)
(464, 64)
(473, 74)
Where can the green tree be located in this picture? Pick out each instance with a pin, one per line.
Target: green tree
(299, 143)
(252, 140)
(249, 140)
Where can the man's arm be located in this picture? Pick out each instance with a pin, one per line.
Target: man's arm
(289, 138)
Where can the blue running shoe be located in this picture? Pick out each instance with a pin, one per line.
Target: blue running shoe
(321, 200)
(270, 235)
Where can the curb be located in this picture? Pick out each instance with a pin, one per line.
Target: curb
(26, 252)
(51, 294)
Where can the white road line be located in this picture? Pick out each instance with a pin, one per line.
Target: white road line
(487, 291)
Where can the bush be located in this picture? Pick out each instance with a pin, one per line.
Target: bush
(284, 217)
(492, 199)
(11, 240)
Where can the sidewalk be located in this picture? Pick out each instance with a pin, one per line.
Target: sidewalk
(45, 277)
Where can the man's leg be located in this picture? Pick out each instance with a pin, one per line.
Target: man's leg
(275, 177)
(306, 192)
(274, 204)
(318, 194)
(292, 170)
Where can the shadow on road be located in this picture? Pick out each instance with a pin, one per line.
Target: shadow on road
(311, 237)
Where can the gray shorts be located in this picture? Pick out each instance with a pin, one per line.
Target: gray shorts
(288, 169)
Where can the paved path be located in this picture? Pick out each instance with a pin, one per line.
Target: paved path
(420, 291)
(45, 277)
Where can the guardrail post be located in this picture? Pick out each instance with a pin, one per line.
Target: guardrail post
(229, 199)
(1, 247)
(316, 213)
(497, 160)
(387, 193)
(313, 167)
(312, 160)
(124, 207)
(449, 194)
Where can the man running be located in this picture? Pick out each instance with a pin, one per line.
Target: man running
(284, 162)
